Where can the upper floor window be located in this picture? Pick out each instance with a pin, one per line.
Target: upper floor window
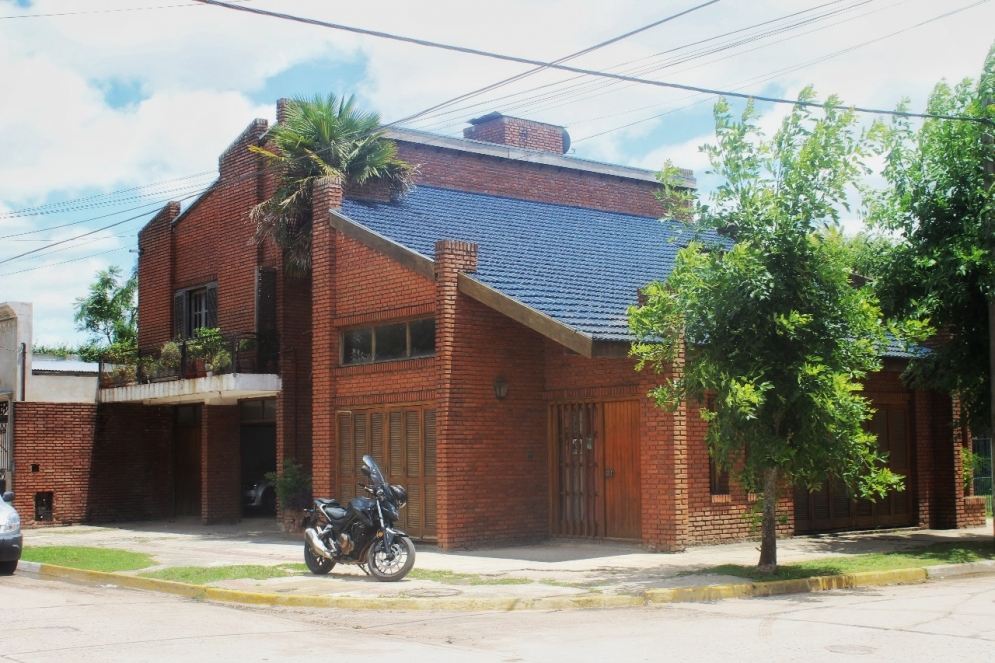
(195, 308)
(401, 340)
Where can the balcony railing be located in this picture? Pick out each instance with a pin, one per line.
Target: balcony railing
(208, 354)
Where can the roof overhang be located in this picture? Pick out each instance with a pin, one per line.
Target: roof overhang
(532, 318)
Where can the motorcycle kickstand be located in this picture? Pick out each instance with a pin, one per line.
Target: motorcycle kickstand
(364, 569)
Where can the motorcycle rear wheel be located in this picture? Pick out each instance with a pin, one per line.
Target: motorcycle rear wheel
(393, 570)
(316, 564)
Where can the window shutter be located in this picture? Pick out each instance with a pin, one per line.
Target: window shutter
(180, 314)
(211, 304)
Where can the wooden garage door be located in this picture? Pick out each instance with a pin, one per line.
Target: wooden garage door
(402, 441)
(831, 508)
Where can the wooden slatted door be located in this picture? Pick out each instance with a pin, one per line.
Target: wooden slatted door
(831, 507)
(402, 441)
(595, 480)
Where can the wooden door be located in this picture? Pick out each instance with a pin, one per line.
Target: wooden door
(402, 441)
(595, 476)
(623, 504)
(576, 483)
(187, 470)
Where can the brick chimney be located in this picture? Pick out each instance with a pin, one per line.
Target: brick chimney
(517, 132)
(281, 110)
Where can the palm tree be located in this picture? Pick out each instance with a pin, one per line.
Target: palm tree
(320, 137)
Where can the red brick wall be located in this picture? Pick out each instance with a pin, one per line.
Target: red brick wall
(518, 132)
(518, 179)
(324, 339)
(155, 273)
(221, 494)
(492, 455)
(103, 463)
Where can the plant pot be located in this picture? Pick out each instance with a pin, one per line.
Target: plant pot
(292, 520)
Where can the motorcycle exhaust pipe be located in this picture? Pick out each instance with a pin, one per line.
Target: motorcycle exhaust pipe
(317, 545)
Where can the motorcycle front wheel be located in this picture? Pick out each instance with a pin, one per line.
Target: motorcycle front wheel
(316, 564)
(391, 570)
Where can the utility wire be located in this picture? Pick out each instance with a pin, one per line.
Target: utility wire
(578, 70)
(65, 205)
(443, 125)
(65, 262)
(774, 74)
(107, 11)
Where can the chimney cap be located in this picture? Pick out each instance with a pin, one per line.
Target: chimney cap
(493, 115)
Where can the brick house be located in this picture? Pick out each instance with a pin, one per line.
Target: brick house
(472, 337)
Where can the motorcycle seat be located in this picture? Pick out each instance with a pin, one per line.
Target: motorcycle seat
(323, 502)
(334, 511)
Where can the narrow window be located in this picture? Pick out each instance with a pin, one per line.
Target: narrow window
(401, 340)
(423, 337)
(718, 479)
(357, 346)
(198, 310)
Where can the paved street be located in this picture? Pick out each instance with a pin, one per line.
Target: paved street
(55, 621)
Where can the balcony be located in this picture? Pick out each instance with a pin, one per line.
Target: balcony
(214, 367)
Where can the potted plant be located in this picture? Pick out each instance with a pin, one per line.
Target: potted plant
(207, 345)
(293, 492)
(168, 365)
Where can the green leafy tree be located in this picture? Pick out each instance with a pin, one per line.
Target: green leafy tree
(942, 268)
(109, 313)
(321, 137)
(772, 326)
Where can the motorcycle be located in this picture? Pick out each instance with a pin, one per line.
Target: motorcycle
(361, 533)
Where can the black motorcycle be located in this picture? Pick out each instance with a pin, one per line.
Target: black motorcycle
(361, 533)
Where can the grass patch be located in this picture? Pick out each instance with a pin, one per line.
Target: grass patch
(90, 559)
(453, 578)
(938, 553)
(201, 575)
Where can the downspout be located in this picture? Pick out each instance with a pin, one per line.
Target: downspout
(24, 369)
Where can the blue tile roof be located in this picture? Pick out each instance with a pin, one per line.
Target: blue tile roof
(579, 266)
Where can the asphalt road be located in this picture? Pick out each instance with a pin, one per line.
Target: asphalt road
(55, 621)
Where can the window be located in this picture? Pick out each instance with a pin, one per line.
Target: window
(256, 411)
(718, 479)
(193, 309)
(401, 340)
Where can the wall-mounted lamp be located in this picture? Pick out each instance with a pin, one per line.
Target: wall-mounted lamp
(500, 388)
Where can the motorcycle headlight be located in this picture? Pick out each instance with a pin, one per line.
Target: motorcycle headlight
(11, 524)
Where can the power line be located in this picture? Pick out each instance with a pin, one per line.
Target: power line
(774, 74)
(65, 262)
(445, 124)
(579, 70)
(107, 11)
(71, 205)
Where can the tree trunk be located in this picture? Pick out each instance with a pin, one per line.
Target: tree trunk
(768, 536)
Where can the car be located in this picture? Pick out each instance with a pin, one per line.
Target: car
(10, 535)
(259, 496)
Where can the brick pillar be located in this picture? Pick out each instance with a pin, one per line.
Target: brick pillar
(324, 339)
(220, 486)
(451, 257)
(938, 460)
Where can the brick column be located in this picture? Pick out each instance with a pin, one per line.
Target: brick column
(324, 339)
(451, 257)
(220, 453)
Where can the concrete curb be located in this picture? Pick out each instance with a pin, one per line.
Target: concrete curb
(652, 596)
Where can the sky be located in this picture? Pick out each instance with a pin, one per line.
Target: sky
(109, 108)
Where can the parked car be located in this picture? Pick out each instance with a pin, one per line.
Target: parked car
(10, 535)
(259, 496)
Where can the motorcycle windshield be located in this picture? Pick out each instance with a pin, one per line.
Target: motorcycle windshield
(376, 476)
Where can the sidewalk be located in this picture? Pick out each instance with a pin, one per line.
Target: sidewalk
(556, 568)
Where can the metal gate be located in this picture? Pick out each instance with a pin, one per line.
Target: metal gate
(5, 466)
